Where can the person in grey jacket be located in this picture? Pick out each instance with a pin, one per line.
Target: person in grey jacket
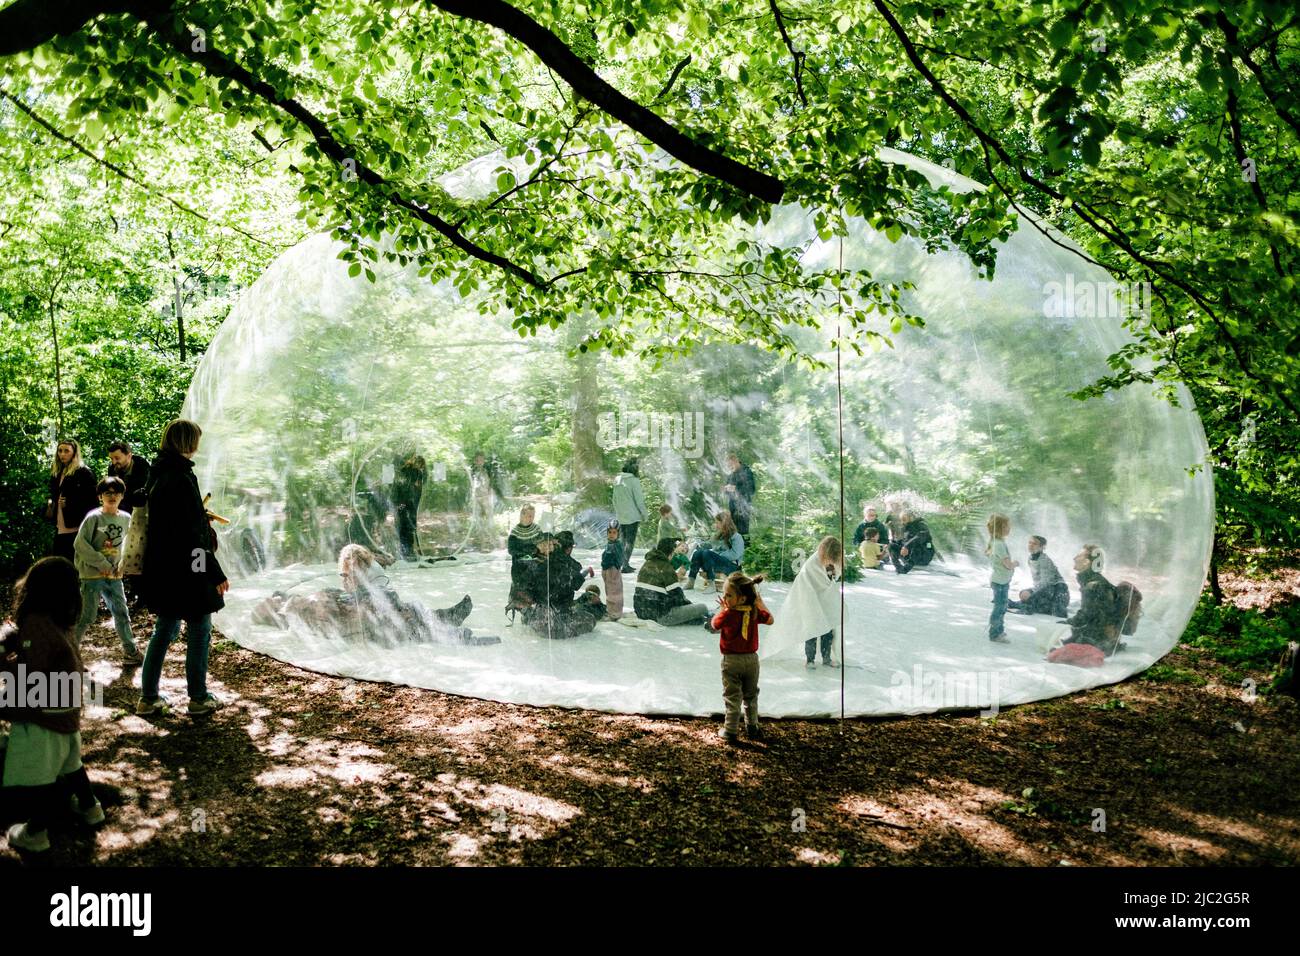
(1050, 594)
(629, 508)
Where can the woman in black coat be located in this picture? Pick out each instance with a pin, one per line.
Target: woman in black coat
(182, 579)
(72, 495)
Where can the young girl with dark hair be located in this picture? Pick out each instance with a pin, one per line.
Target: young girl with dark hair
(45, 739)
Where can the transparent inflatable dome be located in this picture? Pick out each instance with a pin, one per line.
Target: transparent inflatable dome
(394, 416)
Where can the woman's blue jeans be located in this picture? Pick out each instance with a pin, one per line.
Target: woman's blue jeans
(198, 637)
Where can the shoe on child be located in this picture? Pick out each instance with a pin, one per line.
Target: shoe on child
(21, 838)
(92, 817)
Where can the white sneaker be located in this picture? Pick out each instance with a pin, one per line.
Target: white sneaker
(703, 584)
(20, 838)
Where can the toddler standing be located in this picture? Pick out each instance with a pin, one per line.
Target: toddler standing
(611, 572)
(1001, 565)
(742, 610)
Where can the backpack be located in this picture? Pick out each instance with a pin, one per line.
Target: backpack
(1128, 607)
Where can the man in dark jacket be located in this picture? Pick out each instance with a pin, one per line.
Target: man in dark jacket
(659, 596)
(739, 491)
(913, 548)
(134, 472)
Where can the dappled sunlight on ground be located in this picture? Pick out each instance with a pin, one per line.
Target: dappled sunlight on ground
(305, 769)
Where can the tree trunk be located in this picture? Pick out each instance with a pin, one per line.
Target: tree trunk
(178, 298)
(1215, 590)
(180, 315)
(58, 367)
(588, 462)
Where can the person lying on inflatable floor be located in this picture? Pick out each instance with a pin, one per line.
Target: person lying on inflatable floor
(365, 608)
(1106, 613)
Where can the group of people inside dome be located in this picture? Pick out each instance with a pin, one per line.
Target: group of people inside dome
(151, 537)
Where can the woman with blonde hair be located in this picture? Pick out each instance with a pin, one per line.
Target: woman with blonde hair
(721, 556)
(1001, 567)
(72, 496)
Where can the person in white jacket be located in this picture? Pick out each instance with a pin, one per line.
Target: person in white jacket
(811, 612)
(629, 508)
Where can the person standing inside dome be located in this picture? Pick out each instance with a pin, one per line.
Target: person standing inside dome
(629, 508)
(1050, 594)
(739, 492)
(406, 492)
(1001, 566)
(810, 614)
(72, 496)
(485, 491)
(182, 579)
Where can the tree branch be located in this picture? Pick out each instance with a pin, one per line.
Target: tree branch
(797, 54)
(114, 168)
(584, 81)
(682, 64)
(1094, 219)
(173, 33)
(27, 24)
(1239, 151)
(1233, 43)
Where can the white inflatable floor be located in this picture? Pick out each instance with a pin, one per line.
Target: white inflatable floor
(915, 643)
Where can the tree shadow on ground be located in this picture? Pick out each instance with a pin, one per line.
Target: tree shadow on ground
(306, 769)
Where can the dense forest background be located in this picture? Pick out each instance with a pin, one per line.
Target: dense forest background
(156, 159)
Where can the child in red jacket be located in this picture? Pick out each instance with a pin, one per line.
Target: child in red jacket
(737, 624)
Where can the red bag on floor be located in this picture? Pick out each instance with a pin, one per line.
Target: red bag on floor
(1079, 655)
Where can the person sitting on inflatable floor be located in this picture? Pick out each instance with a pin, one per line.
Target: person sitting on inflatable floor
(548, 593)
(366, 608)
(659, 596)
(1050, 594)
(1106, 613)
(912, 547)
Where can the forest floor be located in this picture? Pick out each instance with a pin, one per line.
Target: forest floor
(1175, 767)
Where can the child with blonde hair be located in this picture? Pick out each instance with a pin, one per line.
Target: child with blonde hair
(1001, 566)
(811, 613)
